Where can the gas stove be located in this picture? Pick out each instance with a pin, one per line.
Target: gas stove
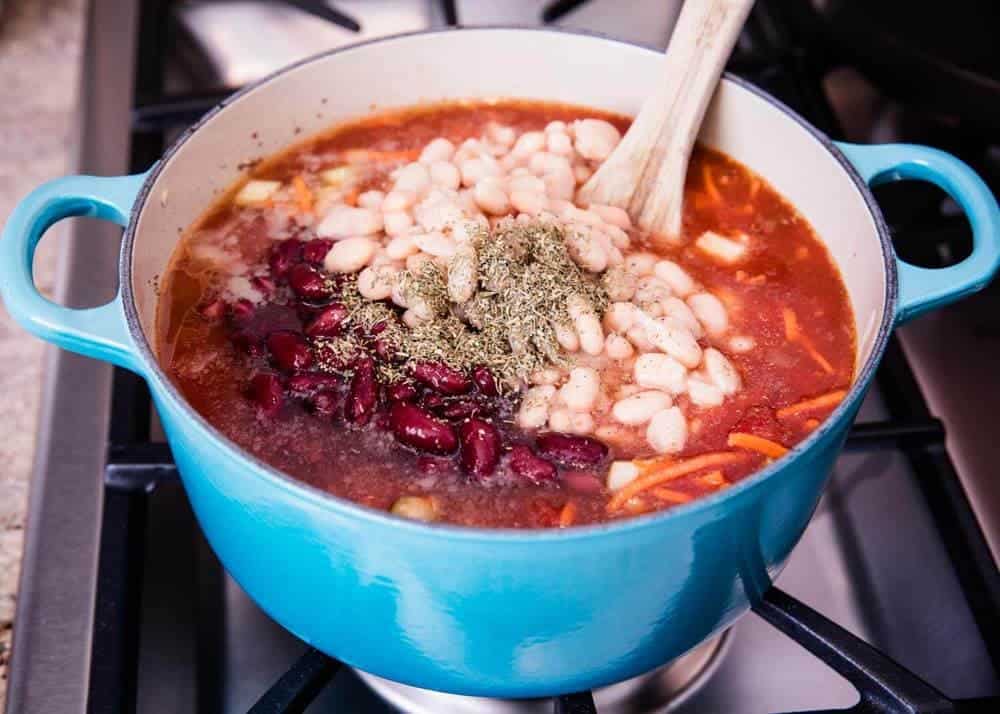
(124, 608)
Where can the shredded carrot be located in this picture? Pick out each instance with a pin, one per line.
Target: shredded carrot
(670, 472)
(714, 479)
(670, 495)
(303, 196)
(568, 514)
(710, 187)
(794, 333)
(742, 440)
(792, 330)
(811, 424)
(821, 402)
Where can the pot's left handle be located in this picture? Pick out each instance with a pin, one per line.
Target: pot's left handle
(99, 332)
(922, 289)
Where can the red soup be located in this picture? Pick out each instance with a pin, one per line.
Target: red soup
(413, 312)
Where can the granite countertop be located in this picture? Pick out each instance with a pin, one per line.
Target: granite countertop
(40, 51)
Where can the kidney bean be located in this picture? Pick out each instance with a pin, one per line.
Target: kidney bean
(308, 283)
(289, 350)
(315, 251)
(213, 310)
(459, 409)
(325, 404)
(247, 343)
(416, 427)
(401, 392)
(384, 350)
(571, 449)
(526, 464)
(480, 447)
(483, 378)
(328, 322)
(284, 256)
(432, 401)
(441, 378)
(363, 394)
(583, 483)
(304, 385)
(241, 311)
(378, 328)
(266, 392)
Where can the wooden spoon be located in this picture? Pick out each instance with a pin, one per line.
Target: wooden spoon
(645, 173)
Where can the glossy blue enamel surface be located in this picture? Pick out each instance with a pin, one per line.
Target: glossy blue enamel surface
(922, 289)
(496, 613)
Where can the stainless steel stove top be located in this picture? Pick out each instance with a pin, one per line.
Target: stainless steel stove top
(872, 559)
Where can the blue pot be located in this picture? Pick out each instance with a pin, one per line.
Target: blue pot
(486, 612)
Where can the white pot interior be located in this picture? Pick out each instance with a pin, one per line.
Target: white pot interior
(536, 64)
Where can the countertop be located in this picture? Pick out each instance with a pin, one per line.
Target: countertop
(40, 50)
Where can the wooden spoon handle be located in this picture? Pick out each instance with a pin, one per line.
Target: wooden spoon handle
(645, 174)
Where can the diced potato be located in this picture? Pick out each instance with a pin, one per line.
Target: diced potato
(339, 176)
(254, 192)
(621, 474)
(418, 508)
(727, 250)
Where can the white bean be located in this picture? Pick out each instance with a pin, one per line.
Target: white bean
(580, 423)
(435, 243)
(588, 327)
(612, 214)
(413, 177)
(398, 200)
(555, 126)
(446, 175)
(637, 336)
(581, 390)
(702, 393)
(566, 337)
(659, 371)
(585, 249)
(640, 263)
(254, 192)
(558, 142)
(621, 474)
(375, 282)
(401, 247)
(438, 210)
(462, 273)
(529, 202)
(723, 249)
(474, 170)
(679, 310)
(675, 276)
(710, 312)
(582, 172)
(412, 318)
(560, 419)
(547, 376)
(620, 316)
(618, 348)
(502, 135)
(560, 183)
(618, 236)
(721, 371)
(415, 263)
(619, 283)
(595, 138)
(371, 199)
(544, 162)
(649, 291)
(667, 431)
(528, 143)
(349, 255)
(439, 149)
(526, 182)
(671, 337)
(396, 223)
(640, 408)
(534, 409)
(398, 295)
(345, 221)
(490, 196)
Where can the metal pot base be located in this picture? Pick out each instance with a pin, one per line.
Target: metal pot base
(656, 692)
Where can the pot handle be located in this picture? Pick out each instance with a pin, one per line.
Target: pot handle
(99, 332)
(922, 289)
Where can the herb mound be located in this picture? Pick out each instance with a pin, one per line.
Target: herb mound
(523, 278)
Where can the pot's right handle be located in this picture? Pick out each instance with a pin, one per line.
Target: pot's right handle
(99, 332)
(921, 289)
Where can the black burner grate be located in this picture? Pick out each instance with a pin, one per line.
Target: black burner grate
(780, 53)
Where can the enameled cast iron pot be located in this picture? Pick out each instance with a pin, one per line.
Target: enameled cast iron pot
(487, 612)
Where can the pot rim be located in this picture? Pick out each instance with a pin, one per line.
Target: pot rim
(155, 375)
